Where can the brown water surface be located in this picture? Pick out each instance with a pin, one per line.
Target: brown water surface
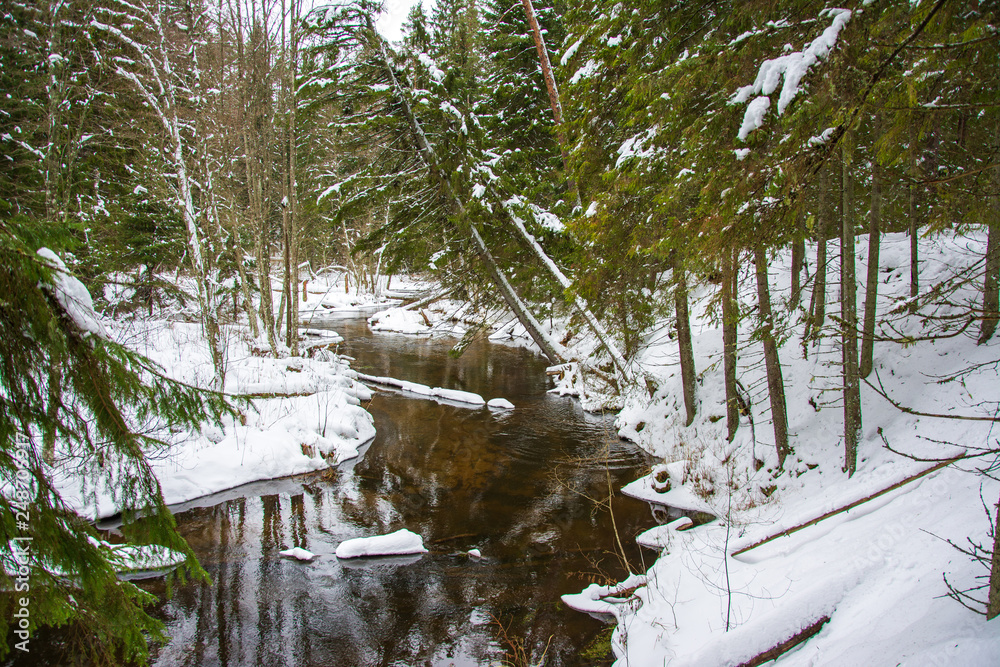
(519, 486)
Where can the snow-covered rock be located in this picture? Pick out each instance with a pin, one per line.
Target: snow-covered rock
(400, 543)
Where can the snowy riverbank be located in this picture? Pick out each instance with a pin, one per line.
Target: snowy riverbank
(872, 576)
(875, 571)
(302, 414)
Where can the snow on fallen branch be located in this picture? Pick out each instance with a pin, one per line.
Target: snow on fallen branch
(850, 506)
(466, 397)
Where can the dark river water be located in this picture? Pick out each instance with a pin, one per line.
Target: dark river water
(520, 486)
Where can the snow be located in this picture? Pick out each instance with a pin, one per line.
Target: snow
(73, 296)
(500, 404)
(754, 116)
(823, 137)
(305, 414)
(639, 146)
(400, 543)
(588, 70)
(570, 52)
(792, 67)
(475, 553)
(876, 569)
(436, 74)
(298, 553)
(399, 320)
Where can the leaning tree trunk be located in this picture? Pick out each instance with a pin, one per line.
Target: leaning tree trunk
(730, 318)
(684, 344)
(772, 364)
(552, 88)
(621, 366)
(849, 313)
(871, 282)
(991, 297)
(549, 347)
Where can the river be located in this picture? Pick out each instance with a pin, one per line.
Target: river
(519, 486)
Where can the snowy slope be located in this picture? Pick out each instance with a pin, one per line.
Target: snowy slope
(876, 571)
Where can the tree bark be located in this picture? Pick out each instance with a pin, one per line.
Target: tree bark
(798, 259)
(256, 134)
(730, 319)
(849, 312)
(288, 221)
(991, 298)
(772, 364)
(991, 276)
(293, 199)
(871, 282)
(914, 212)
(553, 91)
(817, 304)
(621, 366)
(684, 344)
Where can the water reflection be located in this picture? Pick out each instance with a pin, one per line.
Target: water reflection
(516, 486)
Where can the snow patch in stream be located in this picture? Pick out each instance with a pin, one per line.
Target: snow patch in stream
(465, 397)
(400, 543)
(298, 553)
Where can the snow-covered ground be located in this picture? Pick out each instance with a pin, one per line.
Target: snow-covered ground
(876, 571)
(304, 414)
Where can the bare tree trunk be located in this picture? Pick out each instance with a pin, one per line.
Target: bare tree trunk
(524, 316)
(817, 304)
(798, 259)
(293, 204)
(871, 282)
(281, 313)
(849, 312)
(991, 299)
(772, 364)
(685, 346)
(621, 366)
(289, 254)
(730, 319)
(914, 213)
(991, 294)
(553, 90)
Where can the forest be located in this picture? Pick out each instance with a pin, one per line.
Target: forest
(606, 164)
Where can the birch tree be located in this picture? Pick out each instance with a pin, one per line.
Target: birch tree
(162, 61)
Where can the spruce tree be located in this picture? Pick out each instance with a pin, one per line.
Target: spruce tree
(104, 423)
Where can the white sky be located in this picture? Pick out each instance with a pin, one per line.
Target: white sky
(390, 23)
